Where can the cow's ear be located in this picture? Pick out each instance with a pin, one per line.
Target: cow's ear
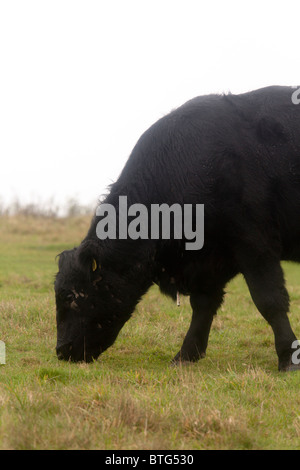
(65, 258)
(88, 256)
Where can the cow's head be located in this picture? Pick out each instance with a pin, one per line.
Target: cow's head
(93, 302)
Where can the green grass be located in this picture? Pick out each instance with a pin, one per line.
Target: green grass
(131, 398)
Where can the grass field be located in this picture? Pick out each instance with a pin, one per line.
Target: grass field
(131, 398)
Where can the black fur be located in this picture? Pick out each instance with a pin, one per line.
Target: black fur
(239, 155)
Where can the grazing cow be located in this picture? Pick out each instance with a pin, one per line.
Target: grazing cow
(239, 155)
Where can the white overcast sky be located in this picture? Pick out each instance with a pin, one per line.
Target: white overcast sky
(81, 80)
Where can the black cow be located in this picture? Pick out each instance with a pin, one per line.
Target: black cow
(239, 155)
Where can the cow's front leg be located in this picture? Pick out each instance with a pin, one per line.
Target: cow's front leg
(195, 343)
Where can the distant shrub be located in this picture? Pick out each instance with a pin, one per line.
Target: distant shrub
(49, 209)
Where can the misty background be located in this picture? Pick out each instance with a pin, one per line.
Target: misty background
(80, 81)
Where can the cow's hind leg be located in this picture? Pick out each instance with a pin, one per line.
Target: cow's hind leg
(267, 288)
(195, 343)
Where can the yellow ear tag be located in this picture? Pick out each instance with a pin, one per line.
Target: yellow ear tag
(94, 265)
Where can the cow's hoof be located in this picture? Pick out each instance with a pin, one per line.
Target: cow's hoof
(289, 368)
(293, 368)
(179, 363)
(287, 365)
(179, 360)
(183, 358)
